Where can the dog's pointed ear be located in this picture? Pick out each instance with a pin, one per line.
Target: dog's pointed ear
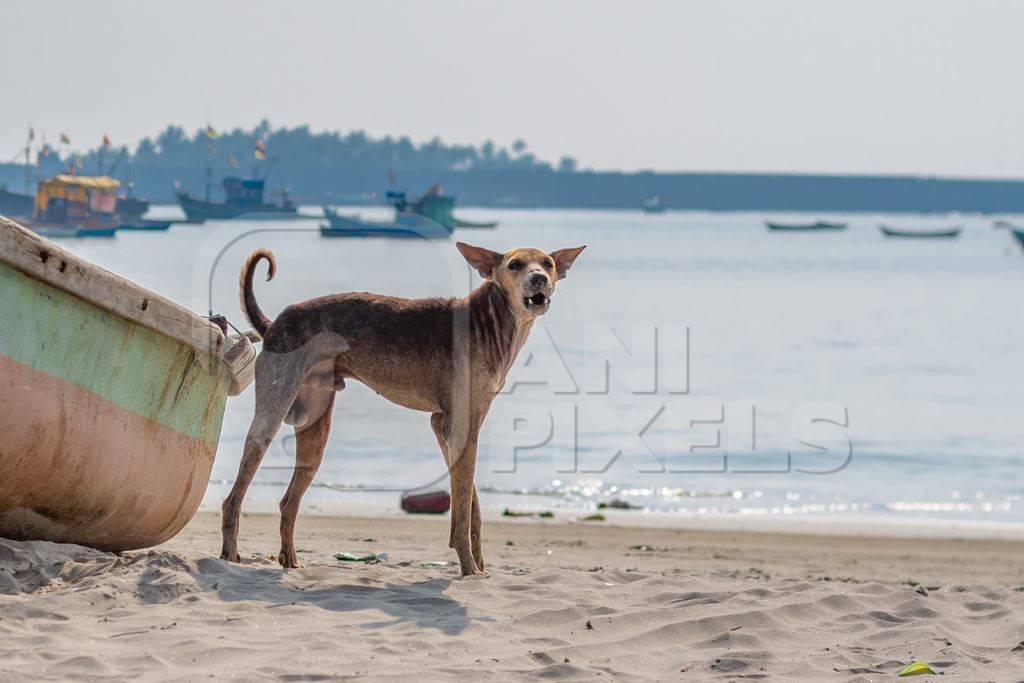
(564, 258)
(484, 260)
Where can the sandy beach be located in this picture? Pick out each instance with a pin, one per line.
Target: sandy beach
(567, 601)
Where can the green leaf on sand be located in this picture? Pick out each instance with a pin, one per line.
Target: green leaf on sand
(366, 557)
(916, 669)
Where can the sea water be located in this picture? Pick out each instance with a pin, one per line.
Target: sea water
(691, 363)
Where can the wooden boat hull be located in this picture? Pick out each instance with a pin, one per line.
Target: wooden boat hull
(110, 409)
(944, 234)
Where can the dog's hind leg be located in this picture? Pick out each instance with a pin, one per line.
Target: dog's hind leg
(310, 441)
(277, 384)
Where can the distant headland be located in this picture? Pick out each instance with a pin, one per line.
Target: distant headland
(331, 167)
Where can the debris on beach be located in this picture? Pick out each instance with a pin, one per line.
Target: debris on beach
(544, 514)
(916, 669)
(598, 517)
(426, 501)
(370, 558)
(616, 504)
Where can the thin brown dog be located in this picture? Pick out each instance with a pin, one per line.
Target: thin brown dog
(447, 357)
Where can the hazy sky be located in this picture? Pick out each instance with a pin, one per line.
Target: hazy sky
(928, 86)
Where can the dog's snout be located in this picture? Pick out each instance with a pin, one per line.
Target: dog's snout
(538, 279)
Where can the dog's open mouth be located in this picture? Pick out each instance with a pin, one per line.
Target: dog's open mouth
(536, 300)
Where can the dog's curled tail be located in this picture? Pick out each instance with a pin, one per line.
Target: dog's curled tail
(260, 322)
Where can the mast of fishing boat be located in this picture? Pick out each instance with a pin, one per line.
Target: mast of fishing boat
(28, 148)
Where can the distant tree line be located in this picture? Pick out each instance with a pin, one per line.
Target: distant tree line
(301, 147)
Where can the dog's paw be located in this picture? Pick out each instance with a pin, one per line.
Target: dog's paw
(475, 576)
(230, 556)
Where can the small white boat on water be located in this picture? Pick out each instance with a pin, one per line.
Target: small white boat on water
(406, 225)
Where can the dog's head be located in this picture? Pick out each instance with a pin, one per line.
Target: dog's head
(526, 276)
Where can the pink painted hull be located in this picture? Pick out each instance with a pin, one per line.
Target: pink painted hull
(79, 469)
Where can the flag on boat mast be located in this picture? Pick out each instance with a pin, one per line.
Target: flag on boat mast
(106, 140)
(259, 149)
(64, 139)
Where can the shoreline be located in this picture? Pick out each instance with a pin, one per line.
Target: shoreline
(791, 552)
(839, 525)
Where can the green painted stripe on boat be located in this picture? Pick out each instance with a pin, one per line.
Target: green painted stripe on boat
(140, 370)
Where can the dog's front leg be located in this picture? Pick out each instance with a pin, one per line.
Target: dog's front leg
(463, 469)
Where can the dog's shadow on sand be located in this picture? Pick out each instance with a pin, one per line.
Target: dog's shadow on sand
(325, 587)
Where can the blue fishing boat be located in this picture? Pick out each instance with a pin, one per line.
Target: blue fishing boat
(653, 205)
(436, 206)
(131, 209)
(431, 216)
(406, 224)
(242, 197)
(15, 203)
(54, 231)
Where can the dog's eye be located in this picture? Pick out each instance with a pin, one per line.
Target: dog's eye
(515, 265)
(549, 264)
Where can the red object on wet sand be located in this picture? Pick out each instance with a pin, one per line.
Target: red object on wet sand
(430, 502)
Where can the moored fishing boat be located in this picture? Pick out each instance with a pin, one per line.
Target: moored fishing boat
(805, 227)
(57, 230)
(15, 203)
(406, 225)
(242, 197)
(653, 205)
(131, 209)
(143, 224)
(75, 206)
(111, 400)
(436, 206)
(928, 234)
